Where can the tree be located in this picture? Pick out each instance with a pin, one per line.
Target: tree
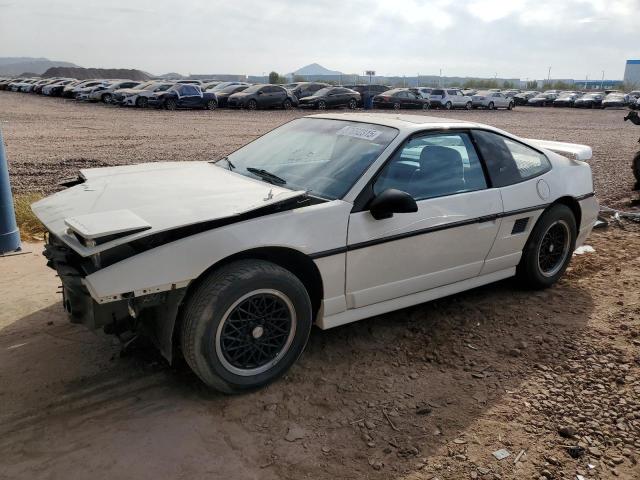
(532, 85)
(274, 77)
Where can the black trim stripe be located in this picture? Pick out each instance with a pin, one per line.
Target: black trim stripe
(424, 231)
(584, 197)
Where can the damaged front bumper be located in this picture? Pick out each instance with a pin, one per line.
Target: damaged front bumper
(153, 315)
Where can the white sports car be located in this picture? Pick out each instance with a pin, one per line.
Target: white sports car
(325, 220)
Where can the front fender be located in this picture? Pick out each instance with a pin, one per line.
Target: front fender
(316, 228)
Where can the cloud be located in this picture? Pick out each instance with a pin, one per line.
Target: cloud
(515, 38)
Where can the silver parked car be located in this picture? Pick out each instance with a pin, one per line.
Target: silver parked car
(104, 93)
(140, 98)
(492, 100)
(449, 98)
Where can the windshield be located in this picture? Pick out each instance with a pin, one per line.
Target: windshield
(234, 89)
(591, 95)
(253, 88)
(142, 86)
(148, 87)
(325, 157)
(322, 92)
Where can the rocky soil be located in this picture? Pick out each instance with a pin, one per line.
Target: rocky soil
(494, 383)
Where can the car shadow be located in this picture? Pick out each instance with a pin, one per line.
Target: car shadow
(395, 388)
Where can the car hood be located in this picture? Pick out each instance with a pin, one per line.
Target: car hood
(116, 205)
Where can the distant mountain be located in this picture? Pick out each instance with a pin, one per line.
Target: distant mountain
(87, 73)
(171, 76)
(18, 65)
(313, 70)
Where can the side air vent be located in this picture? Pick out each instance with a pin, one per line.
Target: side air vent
(520, 225)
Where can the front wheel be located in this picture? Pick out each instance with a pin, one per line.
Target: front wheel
(106, 98)
(252, 105)
(491, 106)
(448, 105)
(352, 104)
(426, 106)
(322, 105)
(142, 102)
(511, 105)
(170, 104)
(548, 250)
(396, 106)
(245, 325)
(211, 105)
(468, 105)
(287, 105)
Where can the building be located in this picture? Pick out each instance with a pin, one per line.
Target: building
(632, 72)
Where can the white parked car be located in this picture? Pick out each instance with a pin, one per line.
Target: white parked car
(325, 220)
(492, 100)
(449, 98)
(140, 97)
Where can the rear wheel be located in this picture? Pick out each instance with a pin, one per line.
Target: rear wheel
(636, 170)
(548, 250)
(468, 105)
(448, 105)
(245, 325)
(287, 105)
(491, 106)
(142, 102)
(212, 105)
(106, 98)
(170, 104)
(396, 106)
(426, 106)
(322, 105)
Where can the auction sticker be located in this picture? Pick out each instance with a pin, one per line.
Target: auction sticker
(359, 132)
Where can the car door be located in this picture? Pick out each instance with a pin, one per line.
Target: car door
(444, 242)
(521, 174)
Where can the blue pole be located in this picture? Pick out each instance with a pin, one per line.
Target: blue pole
(9, 234)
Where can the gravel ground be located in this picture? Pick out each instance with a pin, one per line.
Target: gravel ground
(51, 138)
(429, 392)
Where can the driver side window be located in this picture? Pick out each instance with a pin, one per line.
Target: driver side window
(433, 166)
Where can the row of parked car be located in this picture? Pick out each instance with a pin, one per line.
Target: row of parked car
(557, 98)
(210, 95)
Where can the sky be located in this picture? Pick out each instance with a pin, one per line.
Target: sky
(486, 38)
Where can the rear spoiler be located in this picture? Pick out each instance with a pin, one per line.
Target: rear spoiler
(579, 152)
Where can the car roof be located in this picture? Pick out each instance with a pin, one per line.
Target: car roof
(402, 122)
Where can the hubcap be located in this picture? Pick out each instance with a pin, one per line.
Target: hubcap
(255, 332)
(554, 248)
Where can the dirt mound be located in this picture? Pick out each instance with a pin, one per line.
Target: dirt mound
(86, 73)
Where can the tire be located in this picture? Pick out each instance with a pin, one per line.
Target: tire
(352, 104)
(287, 105)
(511, 105)
(226, 314)
(106, 98)
(252, 105)
(322, 105)
(211, 105)
(396, 106)
(448, 106)
(635, 165)
(170, 104)
(468, 105)
(491, 106)
(542, 266)
(142, 102)
(426, 106)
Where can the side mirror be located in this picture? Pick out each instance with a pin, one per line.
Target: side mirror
(392, 201)
(260, 92)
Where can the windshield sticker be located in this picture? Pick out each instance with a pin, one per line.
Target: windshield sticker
(359, 132)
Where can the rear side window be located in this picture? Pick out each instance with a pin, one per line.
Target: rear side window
(509, 161)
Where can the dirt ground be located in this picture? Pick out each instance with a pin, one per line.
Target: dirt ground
(429, 392)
